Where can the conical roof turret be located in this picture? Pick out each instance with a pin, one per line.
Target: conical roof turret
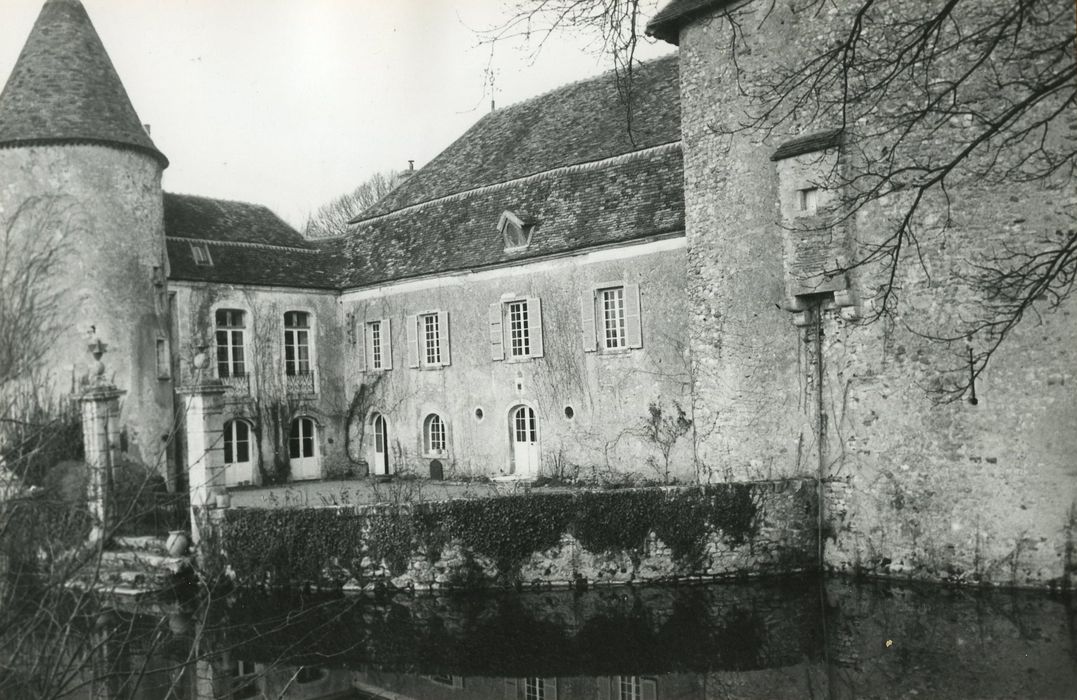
(64, 88)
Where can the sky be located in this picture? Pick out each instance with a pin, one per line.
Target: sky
(289, 103)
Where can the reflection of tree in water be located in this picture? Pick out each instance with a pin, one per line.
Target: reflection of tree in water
(748, 637)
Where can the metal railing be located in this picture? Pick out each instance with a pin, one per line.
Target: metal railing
(300, 384)
(237, 385)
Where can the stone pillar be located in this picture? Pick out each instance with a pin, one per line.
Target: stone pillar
(203, 404)
(100, 438)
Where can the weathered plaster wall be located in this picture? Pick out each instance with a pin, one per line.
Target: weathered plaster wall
(196, 305)
(971, 493)
(104, 207)
(609, 393)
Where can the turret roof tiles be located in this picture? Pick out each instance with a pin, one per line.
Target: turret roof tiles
(65, 89)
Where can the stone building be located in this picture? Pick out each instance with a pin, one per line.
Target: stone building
(970, 490)
(557, 294)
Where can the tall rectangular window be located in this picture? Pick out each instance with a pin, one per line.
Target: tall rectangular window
(534, 689)
(296, 343)
(613, 318)
(629, 688)
(431, 339)
(377, 345)
(428, 340)
(611, 321)
(231, 361)
(519, 339)
(516, 329)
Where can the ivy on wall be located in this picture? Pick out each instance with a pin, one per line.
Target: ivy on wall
(295, 545)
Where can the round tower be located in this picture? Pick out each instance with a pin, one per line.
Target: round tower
(81, 204)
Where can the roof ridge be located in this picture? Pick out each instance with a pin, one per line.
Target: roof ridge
(562, 170)
(579, 81)
(243, 244)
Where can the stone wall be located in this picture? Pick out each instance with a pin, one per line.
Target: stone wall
(972, 492)
(101, 208)
(561, 539)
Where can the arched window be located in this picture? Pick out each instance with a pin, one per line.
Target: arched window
(303, 449)
(231, 327)
(434, 435)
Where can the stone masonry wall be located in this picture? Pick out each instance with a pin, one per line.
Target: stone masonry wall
(562, 539)
(103, 209)
(972, 493)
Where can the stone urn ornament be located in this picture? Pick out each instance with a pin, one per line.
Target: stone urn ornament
(178, 543)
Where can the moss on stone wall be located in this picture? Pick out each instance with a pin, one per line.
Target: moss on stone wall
(387, 541)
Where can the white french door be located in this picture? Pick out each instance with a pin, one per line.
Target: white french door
(525, 450)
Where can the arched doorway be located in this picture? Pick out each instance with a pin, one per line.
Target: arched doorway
(523, 428)
(303, 449)
(379, 460)
(238, 453)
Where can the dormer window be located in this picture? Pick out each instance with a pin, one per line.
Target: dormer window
(200, 253)
(515, 231)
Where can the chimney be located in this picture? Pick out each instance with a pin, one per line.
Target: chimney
(147, 128)
(411, 166)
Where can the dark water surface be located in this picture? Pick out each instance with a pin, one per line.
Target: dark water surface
(786, 639)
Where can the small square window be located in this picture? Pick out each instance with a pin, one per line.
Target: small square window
(808, 200)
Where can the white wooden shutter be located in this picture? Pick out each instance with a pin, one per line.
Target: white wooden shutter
(497, 337)
(587, 309)
(534, 320)
(510, 689)
(364, 349)
(633, 328)
(603, 687)
(648, 689)
(443, 337)
(386, 344)
(412, 327)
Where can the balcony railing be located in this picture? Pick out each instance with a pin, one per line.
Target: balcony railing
(300, 384)
(237, 385)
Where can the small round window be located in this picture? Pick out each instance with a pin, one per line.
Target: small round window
(569, 412)
(479, 414)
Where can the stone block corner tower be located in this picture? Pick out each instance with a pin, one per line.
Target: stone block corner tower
(81, 178)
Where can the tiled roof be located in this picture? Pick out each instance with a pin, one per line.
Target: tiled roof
(65, 89)
(808, 143)
(247, 243)
(188, 216)
(667, 23)
(631, 197)
(578, 123)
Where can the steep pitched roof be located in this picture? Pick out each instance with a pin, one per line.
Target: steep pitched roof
(65, 89)
(635, 196)
(667, 23)
(247, 244)
(577, 123)
(189, 216)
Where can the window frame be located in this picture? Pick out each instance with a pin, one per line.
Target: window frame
(302, 439)
(428, 340)
(294, 343)
(628, 319)
(378, 343)
(502, 331)
(231, 331)
(428, 441)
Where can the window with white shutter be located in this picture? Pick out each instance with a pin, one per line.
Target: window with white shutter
(428, 340)
(378, 345)
(612, 319)
(516, 329)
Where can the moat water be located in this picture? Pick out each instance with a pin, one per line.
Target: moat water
(778, 639)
